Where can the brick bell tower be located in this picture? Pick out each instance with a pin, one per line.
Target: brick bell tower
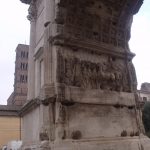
(82, 82)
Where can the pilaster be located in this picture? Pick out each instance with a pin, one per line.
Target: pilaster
(31, 62)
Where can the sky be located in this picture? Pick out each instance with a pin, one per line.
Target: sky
(140, 43)
(15, 28)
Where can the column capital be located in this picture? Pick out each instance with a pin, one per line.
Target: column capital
(32, 12)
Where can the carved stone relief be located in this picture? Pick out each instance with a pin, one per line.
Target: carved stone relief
(94, 21)
(106, 74)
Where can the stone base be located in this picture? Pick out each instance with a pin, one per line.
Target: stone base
(104, 144)
(120, 143)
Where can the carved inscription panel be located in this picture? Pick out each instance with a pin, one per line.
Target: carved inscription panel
(106, 72)
(101, 121)
(94, 21)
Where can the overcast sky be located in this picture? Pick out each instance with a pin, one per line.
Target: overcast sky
(14, 29)
(140, 43)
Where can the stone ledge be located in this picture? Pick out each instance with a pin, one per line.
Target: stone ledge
(136, 143)
(32, 104)
(99, 97)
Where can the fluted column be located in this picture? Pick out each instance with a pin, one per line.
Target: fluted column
(31, 62)
(48, 19)
(48, 60)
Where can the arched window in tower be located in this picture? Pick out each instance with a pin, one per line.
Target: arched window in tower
(41, 73)
(21, 66)
(26, 78)
(21, 54)
(21, 78)
(27, 55)
(26, 66)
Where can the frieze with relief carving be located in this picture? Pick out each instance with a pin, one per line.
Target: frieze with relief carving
(106, 75)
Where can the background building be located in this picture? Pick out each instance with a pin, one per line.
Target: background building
(144, 93)
(10, 124)
(19, 95)
(10, 121)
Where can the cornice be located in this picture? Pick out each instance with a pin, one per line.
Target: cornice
(94, 48)
(30, 105)
(137, 6)
(34, 103)
(26, 1)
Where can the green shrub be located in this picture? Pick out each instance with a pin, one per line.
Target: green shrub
(146, 118)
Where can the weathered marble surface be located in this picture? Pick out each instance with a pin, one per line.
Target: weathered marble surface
(82, 91)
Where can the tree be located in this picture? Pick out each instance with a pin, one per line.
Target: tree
(146, 118)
